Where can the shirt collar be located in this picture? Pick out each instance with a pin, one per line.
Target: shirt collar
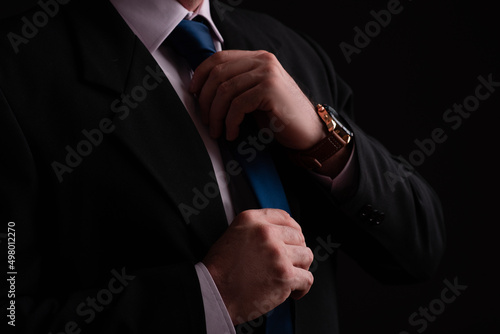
(153, 20)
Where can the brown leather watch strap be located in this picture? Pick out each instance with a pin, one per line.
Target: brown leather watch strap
(314, 157)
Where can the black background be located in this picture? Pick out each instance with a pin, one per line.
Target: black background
(426, 59)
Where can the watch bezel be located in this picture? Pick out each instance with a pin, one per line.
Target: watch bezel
(334, 122)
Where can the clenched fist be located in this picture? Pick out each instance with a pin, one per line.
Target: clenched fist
(261, 259)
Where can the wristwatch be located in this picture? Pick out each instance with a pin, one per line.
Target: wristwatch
(339, 136)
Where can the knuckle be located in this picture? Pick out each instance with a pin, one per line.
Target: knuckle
(268, 57)
(309, 256)
(264, 232)
(247, 215)
(302, 239)
(283, 272)
(238, 102)
(274, 254)
(220, 56)
(271, 67)
(218, 70)
(285, 215)
(225, 87)
(310, 279)
(270, 82)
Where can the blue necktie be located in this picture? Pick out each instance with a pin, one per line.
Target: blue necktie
(192, 40)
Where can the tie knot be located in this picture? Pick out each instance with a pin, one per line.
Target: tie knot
(193, 41)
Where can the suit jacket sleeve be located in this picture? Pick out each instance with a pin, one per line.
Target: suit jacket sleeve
(394, 222)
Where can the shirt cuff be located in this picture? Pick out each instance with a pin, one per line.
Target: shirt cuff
(344, 184)
(217, 317)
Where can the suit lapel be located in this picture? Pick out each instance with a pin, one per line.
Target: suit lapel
(104, 43)
(151, 121)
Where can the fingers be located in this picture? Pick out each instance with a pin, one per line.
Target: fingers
(204, 70)
(245, 103)
(262, 257)
(280, 217)
(225, 82)
(227, 105)
(280, 238)
(303, 280)
(229, 85)
(290, 236)
(296, 281)
(300, 256)
(269, 216)
(297, 255)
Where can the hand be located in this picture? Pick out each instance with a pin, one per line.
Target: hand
(232, 83)
(261, 260)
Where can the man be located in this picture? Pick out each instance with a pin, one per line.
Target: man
(132, 213)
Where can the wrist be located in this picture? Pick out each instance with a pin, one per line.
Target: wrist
(221, 286)
(217, 316)
(330, 154)
(334, 165)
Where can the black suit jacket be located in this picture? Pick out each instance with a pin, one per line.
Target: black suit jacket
(104, 246)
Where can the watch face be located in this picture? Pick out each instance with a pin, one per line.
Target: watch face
(339, 121)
